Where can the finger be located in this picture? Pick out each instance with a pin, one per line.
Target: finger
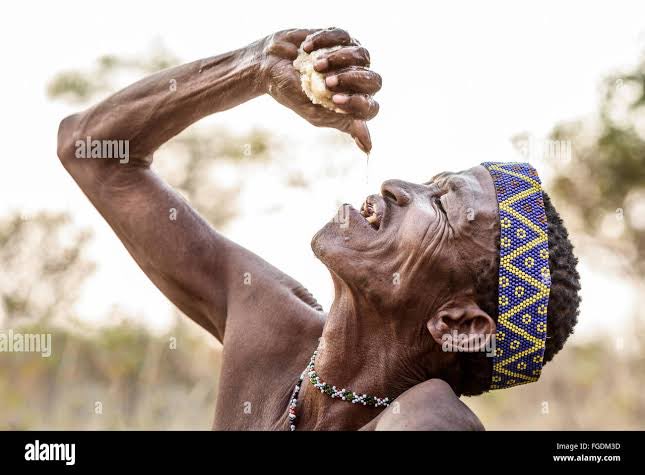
(356, 128)
(361, 106)
(283, 49)
(357, 80)
(298, 36)
(326, 39)
(343, 58)
(361, 134)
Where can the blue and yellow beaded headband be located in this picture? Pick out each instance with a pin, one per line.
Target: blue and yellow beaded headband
(524, 277)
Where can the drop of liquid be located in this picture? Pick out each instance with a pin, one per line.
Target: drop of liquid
(367, 168)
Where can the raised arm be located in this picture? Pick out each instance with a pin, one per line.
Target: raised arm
(189, 262)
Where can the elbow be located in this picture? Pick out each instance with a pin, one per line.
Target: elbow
(74, 133)
(68, 133)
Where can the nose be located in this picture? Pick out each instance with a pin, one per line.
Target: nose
(397, 191)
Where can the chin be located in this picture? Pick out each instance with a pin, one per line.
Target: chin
(350, 232)
(343, 245)
(326, 242)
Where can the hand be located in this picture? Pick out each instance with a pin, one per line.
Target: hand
(346, 74)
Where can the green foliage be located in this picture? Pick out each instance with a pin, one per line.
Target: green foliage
(189, 163)
(81, 87)
(72, 86)
(605, 180)
(592, 386)
(120, 377)
(43, 266)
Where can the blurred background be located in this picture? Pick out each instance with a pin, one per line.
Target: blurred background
(559, 85)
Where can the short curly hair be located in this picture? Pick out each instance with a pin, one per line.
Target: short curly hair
(475, 369)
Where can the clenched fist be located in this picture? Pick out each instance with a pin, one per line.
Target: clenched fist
(347, 75)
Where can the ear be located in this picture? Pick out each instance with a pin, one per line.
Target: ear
(462, 326)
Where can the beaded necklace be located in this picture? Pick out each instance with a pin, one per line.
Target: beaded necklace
(329, 390)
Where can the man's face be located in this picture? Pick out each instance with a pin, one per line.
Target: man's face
(413, 242)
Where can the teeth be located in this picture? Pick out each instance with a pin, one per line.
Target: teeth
(370, 213)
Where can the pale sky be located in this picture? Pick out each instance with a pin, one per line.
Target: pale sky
(459, 79)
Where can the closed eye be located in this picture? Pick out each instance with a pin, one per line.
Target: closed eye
(439, 204)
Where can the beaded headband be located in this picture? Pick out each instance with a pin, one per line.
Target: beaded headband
(524, 277)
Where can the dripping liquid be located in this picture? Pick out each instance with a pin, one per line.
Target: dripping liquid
(367, 168)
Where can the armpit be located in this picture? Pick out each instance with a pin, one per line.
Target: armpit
(304, 295)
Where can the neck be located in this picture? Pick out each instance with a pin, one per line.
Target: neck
(366, 350)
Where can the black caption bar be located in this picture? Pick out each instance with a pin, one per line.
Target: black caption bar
(82, 451)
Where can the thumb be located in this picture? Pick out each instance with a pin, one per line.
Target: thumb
(361, 134)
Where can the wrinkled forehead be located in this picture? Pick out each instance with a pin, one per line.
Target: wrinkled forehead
(477, 174)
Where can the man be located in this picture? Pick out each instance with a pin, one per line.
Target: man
(417, 263)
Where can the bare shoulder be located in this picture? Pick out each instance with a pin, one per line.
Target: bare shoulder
(431, 405)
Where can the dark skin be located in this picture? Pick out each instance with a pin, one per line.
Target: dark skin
(399, 266)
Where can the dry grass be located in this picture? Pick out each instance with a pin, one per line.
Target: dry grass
(126, 378)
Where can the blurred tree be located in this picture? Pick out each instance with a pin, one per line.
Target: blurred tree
(603, 185)
(80, 88)
(117, 377)
(43, 267)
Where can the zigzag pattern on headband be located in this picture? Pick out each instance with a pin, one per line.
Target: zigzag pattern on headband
(524, 276)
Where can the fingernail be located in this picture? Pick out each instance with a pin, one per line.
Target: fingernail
(340, 98)
(360, 145)
(321, 64)
(307, 45)
(331, 81)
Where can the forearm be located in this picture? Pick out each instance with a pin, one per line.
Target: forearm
(151, 111)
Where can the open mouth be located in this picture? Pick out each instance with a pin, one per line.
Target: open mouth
(372, 211)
